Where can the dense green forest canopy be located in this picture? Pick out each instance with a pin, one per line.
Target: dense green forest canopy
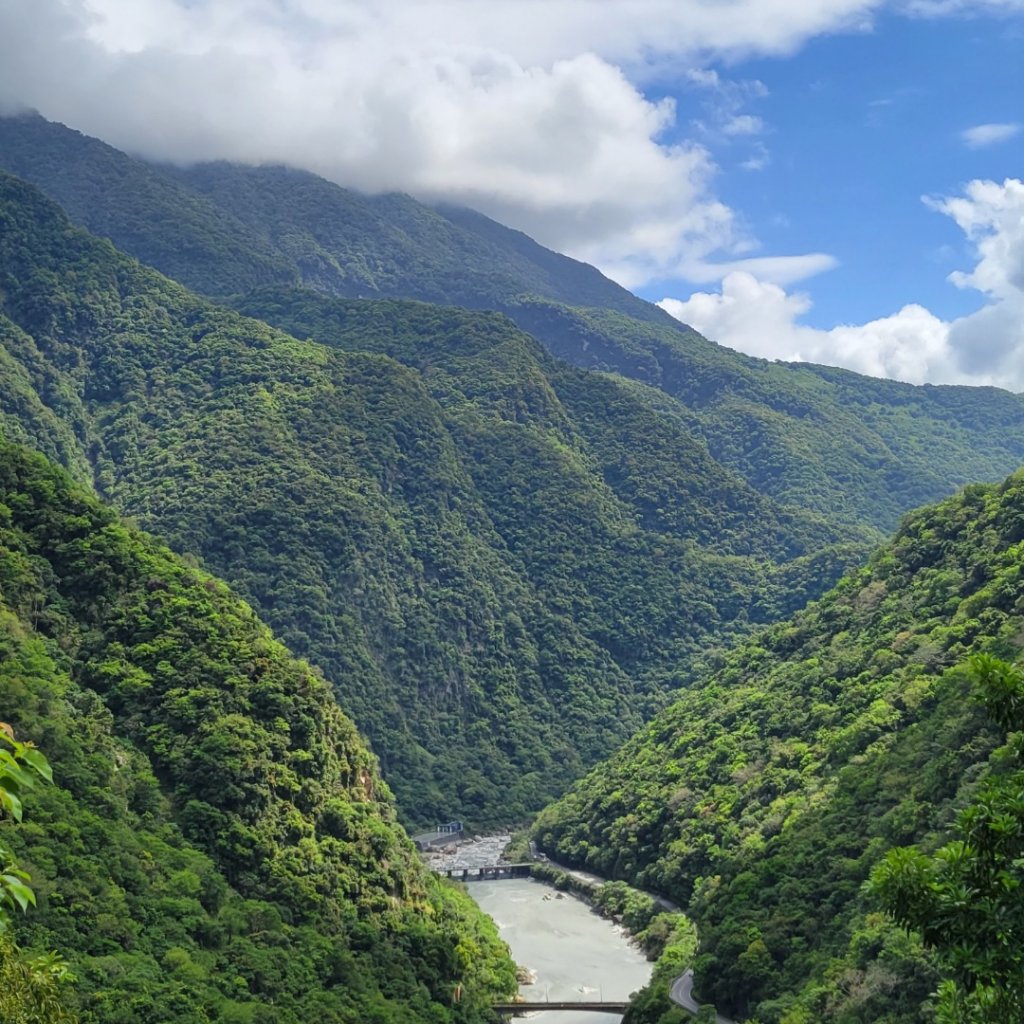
(218, 844)
(965, 899)
(501, 563)
(762, 799)
(31, 986)
(506, 534)
(859, 450)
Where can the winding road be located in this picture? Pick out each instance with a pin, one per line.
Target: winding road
(681, 993)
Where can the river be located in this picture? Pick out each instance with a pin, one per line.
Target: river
(576, 954)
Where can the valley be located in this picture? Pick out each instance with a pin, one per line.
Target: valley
(325, 517)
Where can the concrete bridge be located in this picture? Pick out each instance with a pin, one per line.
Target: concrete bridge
(491, 873)
(516, 1009)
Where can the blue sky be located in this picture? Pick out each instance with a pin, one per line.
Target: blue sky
(791, 177)
(857, 128)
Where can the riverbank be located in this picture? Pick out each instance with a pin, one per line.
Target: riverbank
(477, 852)
(573, 954)
(663, 931)
(651, 923)
(648, 921)
(631, 909)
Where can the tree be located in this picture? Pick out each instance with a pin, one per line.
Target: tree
(967, 899)
(21, 765)
(30, 986)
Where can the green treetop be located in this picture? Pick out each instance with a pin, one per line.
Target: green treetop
(966, 898)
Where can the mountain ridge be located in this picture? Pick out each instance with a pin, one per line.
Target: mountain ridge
(218, 844)
(416, 532)
(811, 436)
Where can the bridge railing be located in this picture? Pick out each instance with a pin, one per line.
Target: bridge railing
(592, 1006)
(489, 873)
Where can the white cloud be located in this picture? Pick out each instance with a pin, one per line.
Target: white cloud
(537, 112)
(988, 134)
(985, 347)
(771, 269)
(743, 124)
(991, 215)
(758, 160)
(529, 110)
(531, 31)
(724, 116)
(761, 319)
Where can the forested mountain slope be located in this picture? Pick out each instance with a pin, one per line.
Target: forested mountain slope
(218, 844)
(763, 798)
(496, 582)
(222, 229)
(597, 488)
(858, 450)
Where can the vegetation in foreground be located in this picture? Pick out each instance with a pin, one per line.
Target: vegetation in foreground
(32, 988)
(965, 898)
(218, 845)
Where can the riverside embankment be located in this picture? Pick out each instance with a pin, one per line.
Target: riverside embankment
(574, 953)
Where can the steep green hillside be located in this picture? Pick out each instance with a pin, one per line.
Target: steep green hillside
(142, 209)
(612, 506)
(857, 450)
(218, 845)
(479, 364)
(764, 797)
(326, 487)
(220, 229)
(497, 583)
(977, 941)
